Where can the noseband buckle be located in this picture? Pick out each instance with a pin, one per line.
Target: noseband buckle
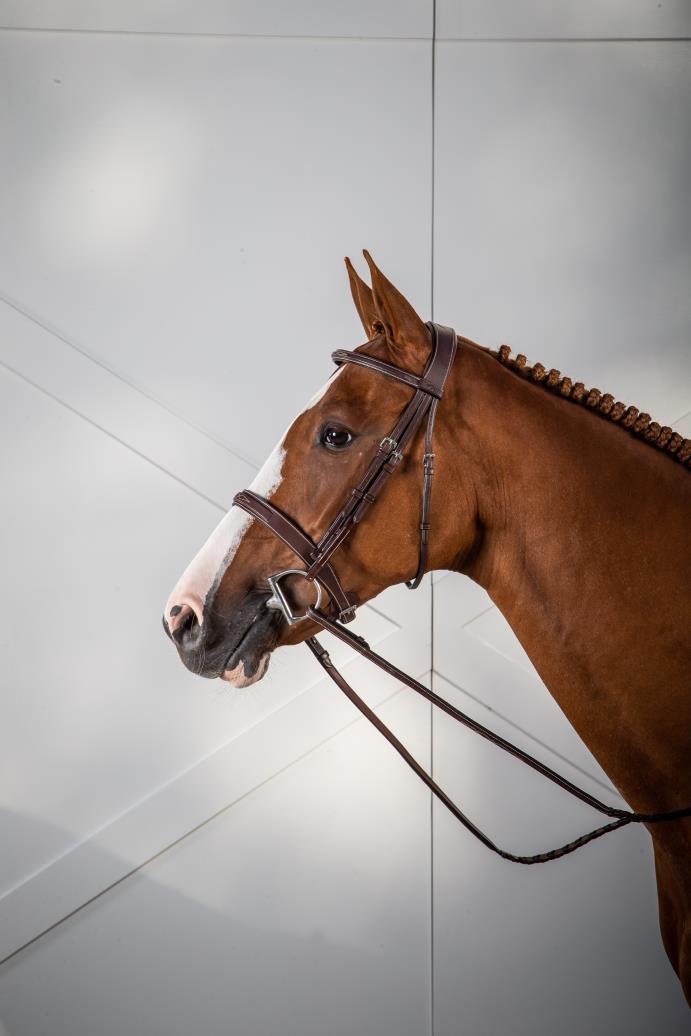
(278, 600)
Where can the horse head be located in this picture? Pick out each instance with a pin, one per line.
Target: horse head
(221, 614)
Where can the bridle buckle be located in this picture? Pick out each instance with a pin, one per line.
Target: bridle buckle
(278, 600)
(390, 446)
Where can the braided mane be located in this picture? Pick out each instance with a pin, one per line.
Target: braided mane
(662, 437)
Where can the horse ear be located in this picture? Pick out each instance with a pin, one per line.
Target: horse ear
(364, 302)
(407, 335)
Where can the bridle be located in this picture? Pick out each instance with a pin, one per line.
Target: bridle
(316, 557)
(429, 389)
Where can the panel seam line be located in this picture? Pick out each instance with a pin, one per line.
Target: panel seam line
(125, 381)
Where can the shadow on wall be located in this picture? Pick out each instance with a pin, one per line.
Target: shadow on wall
(570, 948)
(147, 958)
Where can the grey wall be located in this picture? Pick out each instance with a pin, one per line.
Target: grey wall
(180, 183)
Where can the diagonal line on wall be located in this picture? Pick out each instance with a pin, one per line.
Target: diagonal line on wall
(473, 618)
(527, 733)
(172, 34)
(126, 381)
(152, 857)
(326, 37)
(111, 435)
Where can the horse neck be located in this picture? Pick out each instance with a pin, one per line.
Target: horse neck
(581, 540)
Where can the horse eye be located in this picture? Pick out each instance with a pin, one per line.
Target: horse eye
(335, 438)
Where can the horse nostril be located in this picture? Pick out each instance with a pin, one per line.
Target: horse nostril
(185, 627)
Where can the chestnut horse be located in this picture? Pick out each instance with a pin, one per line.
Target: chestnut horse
(574, 518)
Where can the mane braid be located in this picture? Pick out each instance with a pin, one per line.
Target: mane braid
(629, 417)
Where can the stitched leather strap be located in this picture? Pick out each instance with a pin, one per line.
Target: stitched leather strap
(436, 372)
(429, 390)
(301, 545)
(371, 363)
(443, 354)
(619, 817)
(428, 472)
(363, 495)
(445, 345)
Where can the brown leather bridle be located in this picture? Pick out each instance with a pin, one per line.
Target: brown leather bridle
(429, 389)
(316, 557)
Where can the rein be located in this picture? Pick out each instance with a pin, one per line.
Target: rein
(429, 390)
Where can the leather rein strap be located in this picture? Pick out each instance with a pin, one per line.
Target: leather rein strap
(428, 391)
(620, 817)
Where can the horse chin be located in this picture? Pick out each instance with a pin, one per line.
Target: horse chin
(239, 677)
(248, 661)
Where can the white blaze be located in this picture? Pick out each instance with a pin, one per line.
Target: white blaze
(221, 547)
(212, 561)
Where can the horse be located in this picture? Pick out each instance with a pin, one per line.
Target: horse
(569, 508)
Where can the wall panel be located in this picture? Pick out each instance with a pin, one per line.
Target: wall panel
(562, 228)
(180, 183)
